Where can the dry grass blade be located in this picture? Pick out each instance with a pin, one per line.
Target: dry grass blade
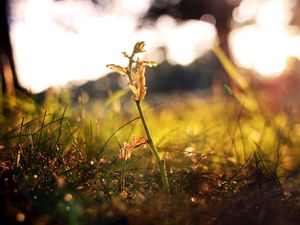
(141, 82)
(128, 148)
(116, 68)
(149, 63)
(113, 134)
(139, 47)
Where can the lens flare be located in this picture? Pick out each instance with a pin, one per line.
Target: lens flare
(266, 45)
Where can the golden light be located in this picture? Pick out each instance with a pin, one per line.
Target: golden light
(261, 50)
(246, 10)
(186, 41)
(58, 42)
(68, 197)
(20, 217)
(266, 45)
(274, 13)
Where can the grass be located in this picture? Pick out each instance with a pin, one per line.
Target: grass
(227, 162)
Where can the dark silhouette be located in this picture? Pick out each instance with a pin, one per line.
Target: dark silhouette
(8, 73)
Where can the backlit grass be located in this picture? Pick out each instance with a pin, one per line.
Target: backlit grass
(227, 163)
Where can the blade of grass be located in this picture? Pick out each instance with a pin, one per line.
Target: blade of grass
(245, 98)
(113, 134)
(41, 129)
(230, 68)
(60, 127)
(19, 148)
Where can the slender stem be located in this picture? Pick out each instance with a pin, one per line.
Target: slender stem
(159, 161)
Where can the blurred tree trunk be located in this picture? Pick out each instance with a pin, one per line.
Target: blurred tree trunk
(9, 78)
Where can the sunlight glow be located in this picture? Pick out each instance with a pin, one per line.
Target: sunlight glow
(266, 45)
(63, 41)
(187, 41)
(246, 10)
(262, 50)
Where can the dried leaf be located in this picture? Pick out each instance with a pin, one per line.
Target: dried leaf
(125, 54)
(133, 89)
(139, 74)
(149, 63)
(127, 149)
(116, 68)
(139, 47)
(140, 81)
(135, 92)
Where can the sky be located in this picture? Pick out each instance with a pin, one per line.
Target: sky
(58, 42)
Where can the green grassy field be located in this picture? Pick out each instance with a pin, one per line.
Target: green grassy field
(229, 157)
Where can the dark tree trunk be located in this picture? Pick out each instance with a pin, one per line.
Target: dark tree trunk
(9, 78)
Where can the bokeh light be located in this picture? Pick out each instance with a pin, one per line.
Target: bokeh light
(269, 41)
(60, 41)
